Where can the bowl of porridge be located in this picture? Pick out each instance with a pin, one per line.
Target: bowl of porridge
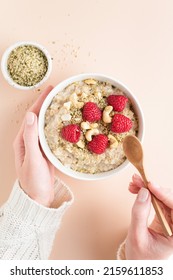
(82, 124)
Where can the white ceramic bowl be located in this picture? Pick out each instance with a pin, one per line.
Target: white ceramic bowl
(5, 59)
(60, 87)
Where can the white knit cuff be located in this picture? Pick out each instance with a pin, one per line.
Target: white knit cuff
(32, 213)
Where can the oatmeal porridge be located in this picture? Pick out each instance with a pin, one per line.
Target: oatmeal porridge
(85, 125)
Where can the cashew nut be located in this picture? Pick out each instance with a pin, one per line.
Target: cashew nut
(113, 141)
(93, 125)
(90, 82)
(80, 144)
(85, 125)
(75, 102)
(90, 133)
(106, 114)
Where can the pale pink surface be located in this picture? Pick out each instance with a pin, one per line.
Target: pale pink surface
(129, 40)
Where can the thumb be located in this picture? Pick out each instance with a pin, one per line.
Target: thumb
(140, 213)
(30, 135)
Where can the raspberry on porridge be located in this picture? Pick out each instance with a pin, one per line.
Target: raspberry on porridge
(85, 125)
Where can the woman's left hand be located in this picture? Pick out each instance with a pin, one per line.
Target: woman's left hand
(34, 171)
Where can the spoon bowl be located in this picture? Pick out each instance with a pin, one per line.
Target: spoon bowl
(133, 150)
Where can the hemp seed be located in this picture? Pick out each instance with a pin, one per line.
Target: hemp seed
(27, 65)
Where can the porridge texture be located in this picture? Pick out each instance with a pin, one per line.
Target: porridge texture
(86, 123)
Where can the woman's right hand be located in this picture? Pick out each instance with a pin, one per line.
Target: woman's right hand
(143, 241)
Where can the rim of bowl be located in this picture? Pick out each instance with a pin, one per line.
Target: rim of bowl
(5, 57)
(66, 170)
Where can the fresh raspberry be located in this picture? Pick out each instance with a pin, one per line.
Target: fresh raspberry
(91, 112)
(71, 133)
(120, 123)
(98, 144)
(118, 102)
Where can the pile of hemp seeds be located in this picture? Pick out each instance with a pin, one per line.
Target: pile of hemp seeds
(27, 65)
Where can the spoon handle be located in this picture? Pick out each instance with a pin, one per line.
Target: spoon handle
(161, 217)
(166, 227)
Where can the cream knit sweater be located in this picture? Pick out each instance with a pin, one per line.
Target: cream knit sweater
(27, 229)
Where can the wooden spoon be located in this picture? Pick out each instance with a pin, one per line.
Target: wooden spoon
(134, 153)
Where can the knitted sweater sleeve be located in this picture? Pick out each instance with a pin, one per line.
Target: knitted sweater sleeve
(27, 229)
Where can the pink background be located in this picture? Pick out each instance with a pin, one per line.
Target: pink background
(130, 40)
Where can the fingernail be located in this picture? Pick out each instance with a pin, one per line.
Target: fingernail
(29, 118)
(136, 176)
(154, 185)
(142, 195)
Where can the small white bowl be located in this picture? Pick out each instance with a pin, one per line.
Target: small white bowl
(5, 59)
(46, 103)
